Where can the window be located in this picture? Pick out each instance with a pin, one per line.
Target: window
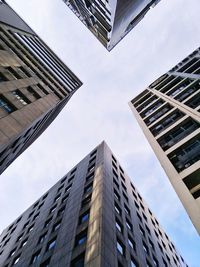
(133, 263)
(93, 153)
(88, 188)
(155, 262)
(34, 94)
(53, 209)
(120, 247)
(6, 106)
(63, 180)
(20, 237)
(81, 238)
(47, 223)
(46, 263)
(61, 211)
(84, 217)
(24, 243)
(131, 242)
(71, 179)
(16, 260)
(51, 244)
(42, 238)
(13, 73)
(142, 231)
(30, 228)
(68, 188)
(45, 196)
(127, 210)
(118, 209)
(12, 252)
(36, 216)
(73, 171)
(125, 197)
(65, 198)
(145, 248)
(56, 226)
(86, 200)
(90, 177)
(57, 198)
(129, 225)
(78, 261)
(151, 244)
(2, 78)
(91, 168)
(118, 226)
(35, 257)
(117, 196)
(22, 99)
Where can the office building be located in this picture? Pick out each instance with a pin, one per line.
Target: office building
(110, 20)
(35, 85)
(94, 216)
(168, 112)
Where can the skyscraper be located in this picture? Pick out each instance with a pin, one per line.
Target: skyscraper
(168, 112)
(110, 20)
(93, 216)
(34, 86)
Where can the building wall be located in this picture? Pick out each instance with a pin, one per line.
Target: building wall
(168, 112)
(84, 203)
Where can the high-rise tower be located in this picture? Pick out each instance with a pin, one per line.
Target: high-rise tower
(168, 112)
(110, 20)
(34, 85)
(94, 216)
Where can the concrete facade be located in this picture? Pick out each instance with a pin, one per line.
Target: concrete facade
(168, 112)
(94, 216)
(110, 20)
(34, 86)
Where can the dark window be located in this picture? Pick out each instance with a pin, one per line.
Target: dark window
(68, 188)
(117, 196)
(16, 260)
(84, 217)
(88, 188)
(120, 247)
(81, 238)
(20, 97)
(2, 78)
(34, 94)
(24, 242)
(46, 263)
(42, 238)
(131, 242)
(86, 200)
(129, 225)
(118, 209)
(133, 263)
(145, 248)
(51, 244)
(78, 261)
(118, 225)
(35, 257)
(5, 105)
(47, 223)
(56, 226)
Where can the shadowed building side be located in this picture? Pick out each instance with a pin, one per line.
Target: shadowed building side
(34, 86)
(93, 217)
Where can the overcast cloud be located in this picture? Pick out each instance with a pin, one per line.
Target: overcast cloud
(99, 109)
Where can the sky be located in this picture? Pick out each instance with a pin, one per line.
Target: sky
(99, 109)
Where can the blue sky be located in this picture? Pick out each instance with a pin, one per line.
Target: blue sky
(99, 110)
